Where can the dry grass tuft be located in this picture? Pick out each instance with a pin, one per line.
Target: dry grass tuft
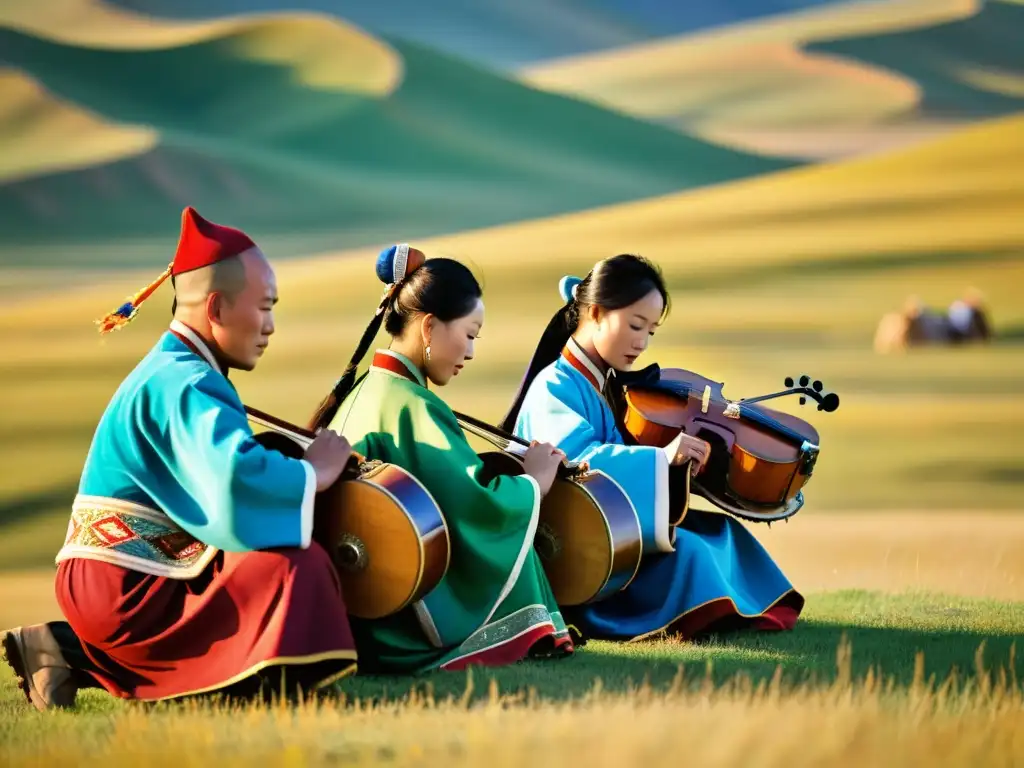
(865, 721)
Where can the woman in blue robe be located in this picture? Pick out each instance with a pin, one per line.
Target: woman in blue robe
(706, 574)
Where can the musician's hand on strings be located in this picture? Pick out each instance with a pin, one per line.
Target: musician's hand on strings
(541, 462)
(329, 453)
(686, 448)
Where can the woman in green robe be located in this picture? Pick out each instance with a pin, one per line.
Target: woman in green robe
(494, 605)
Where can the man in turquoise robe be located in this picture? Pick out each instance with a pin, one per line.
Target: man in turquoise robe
(188, 565)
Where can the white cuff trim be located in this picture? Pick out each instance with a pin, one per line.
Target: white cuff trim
(308, 501)
(664, 539)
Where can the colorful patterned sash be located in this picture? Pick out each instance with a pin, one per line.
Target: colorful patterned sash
(132, 536)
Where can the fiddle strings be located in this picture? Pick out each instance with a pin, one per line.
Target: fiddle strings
(493, 435)
(744, 408)
(484, 434)
(505, 441)
(302, 436)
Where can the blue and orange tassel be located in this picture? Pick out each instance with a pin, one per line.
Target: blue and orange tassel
(124, 314)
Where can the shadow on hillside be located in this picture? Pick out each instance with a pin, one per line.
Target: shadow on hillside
(28, 505)
(936, 58)
(978, 471)
(840, 266)
(807, 654)
(1012, 335)
(527, 277)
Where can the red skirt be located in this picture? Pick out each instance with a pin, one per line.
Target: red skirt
(152, 638)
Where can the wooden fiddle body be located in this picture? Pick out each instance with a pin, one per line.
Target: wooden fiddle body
(760, 459)
(588, 537)
(386, 535)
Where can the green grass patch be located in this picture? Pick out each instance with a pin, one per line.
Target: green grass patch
(884, 634)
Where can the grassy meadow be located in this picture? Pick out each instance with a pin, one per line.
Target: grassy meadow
(329, 137)
(866, 678)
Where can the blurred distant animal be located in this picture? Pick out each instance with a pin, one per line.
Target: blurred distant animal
(964, 321)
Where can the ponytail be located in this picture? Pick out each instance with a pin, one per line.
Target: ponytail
(329, 406)
(556, 335)
(393, 265)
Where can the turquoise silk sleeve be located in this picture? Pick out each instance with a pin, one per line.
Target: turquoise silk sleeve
(217, 482)
(570, 414)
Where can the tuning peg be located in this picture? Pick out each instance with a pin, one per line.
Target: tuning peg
(829, 401)
(804, 379)
(803, 401)
(818, 386)
(788, 381)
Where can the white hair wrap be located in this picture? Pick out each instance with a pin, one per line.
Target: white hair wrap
(401, 261)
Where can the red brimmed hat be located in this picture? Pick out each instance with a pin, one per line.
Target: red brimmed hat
(200, 244)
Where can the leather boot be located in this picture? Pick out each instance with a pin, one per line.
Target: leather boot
(43, 674)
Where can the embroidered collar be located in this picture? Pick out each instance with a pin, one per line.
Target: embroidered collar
(193, 341)
(398, 364)
(578, 359)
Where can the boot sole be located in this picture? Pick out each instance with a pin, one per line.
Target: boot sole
(12, 655)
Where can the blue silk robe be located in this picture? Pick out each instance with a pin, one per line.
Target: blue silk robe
(174, 474)
(705, 572)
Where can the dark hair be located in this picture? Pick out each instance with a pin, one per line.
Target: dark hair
(441, 287)
(613, 283)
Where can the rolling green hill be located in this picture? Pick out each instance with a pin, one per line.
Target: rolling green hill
(970, 67)
(503, 33)
(41, 134)
(820, 84)
(310, 165)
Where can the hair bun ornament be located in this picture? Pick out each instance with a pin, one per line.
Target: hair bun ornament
(394, 263)
(568, 286)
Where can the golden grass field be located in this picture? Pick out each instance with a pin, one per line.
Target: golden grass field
(888, 677)
(912, 538)
(728, 725)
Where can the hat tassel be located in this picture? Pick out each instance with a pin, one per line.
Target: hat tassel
(124, 314)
